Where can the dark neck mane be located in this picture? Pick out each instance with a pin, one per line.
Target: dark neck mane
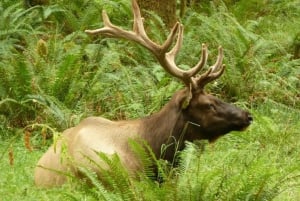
(165, 127)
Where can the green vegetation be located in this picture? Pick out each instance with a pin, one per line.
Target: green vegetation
(52, 75)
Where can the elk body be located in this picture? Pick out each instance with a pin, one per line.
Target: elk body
(191, 114)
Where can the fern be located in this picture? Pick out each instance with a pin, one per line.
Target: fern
(113, 181)
(147, 158)
(53, 109)
(98, 191)
(63, 77)
(22, 78)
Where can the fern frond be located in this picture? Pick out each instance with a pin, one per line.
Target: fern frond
(145, 155)
(113, 178)
(99, 191)
(22, 78)
(64, 76)
(56, 111)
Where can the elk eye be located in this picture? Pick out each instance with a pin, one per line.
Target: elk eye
(211, 107)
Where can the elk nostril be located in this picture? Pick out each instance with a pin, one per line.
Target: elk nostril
(250, 118)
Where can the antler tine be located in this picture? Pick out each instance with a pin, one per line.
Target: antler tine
(110, 30)
(185, 76)
(137, 35)
(170, 38)
(212, 73)
(218, 63)
(138, 24)
(193, 71)
(174, 51)
(105, 29)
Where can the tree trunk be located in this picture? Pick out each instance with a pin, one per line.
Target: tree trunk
(166, 9)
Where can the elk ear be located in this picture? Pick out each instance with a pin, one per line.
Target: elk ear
(184, 98)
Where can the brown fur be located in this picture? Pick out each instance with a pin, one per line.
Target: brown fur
(206, 117)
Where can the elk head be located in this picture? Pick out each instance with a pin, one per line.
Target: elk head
(208, 116)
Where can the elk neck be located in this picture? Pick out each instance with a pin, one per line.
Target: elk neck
(166, 128)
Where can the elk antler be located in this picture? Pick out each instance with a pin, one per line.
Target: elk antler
(166, 58)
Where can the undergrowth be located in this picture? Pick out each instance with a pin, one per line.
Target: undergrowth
(52, 75)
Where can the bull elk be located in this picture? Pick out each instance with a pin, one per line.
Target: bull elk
(191, 114)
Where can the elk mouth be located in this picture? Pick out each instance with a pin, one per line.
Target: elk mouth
(212, 136)
(243, 128)
(244, 125)
(249, 120)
